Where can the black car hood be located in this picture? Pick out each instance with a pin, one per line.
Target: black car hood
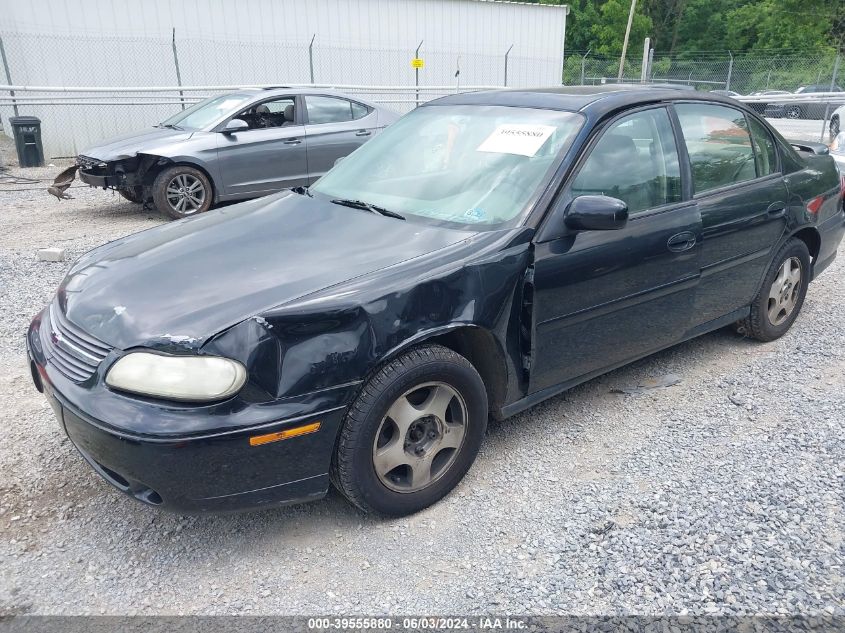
(183, 282)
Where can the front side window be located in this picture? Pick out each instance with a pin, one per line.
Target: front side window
(211, 110)
(269, 114)
(636, 161)
(718, 144)
(764, 148)
(469, 166)
(328, 109)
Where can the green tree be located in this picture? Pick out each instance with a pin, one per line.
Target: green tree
(609, 30)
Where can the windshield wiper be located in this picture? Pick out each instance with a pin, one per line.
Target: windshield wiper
(366, 206)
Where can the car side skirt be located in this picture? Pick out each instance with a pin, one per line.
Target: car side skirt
(537, 397)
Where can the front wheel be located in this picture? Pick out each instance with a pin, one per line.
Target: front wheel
(834, 128)
(793, 112)
(182, 191)
(133, 194)
(412, 433)
(781, 296)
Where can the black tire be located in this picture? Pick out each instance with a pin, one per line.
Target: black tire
(834, 128)
(133, 194)
(794, 112)
(759, 324)
(170, 203)
(353, 469)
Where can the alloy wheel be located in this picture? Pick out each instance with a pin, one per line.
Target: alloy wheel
(793, 112)
(420, 437)
(185, 194)
(783, 294)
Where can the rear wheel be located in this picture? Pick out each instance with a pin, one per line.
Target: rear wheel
(412, 433)
(182, 191)
(793, 112)
(781, 296)
(834, 127)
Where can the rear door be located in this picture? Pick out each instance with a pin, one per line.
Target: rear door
(742, 197)
(334, 128)
(602, 298)
(268, 156)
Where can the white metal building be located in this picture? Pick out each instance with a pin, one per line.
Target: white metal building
(224, 42)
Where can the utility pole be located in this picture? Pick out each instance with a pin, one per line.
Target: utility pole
(625, 42)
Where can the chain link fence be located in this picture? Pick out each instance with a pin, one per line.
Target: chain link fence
(745, 74)
(55, 61)
(134, 67)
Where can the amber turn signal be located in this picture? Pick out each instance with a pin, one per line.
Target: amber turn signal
(258, 440)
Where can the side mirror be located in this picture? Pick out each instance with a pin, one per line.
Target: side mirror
(596, 213)
(235, 125)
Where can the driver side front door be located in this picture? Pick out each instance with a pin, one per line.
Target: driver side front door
(603, 298)
(268, 156)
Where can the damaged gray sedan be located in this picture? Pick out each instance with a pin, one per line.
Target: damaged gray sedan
(234, 146)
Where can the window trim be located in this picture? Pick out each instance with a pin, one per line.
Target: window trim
(723, 188)
(779, 165)
(588, 150)
(297, 113)
(307, 120)
(558, 187)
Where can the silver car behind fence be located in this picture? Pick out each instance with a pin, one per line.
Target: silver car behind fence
(233, 146)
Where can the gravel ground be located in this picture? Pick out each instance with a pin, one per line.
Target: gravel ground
(721, 494)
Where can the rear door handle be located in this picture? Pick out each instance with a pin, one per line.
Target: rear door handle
(777, 210)
(681, 242)
(292, 141)
(363, 133)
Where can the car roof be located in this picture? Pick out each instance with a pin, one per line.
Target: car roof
(274, 91)
(596, 100)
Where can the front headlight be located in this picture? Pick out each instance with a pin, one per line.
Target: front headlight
(189, 378)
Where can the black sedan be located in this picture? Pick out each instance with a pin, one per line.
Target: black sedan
(486, 252)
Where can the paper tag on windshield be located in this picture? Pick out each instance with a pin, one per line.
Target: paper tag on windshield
(524, 140)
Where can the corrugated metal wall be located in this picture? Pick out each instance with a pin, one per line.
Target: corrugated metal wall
(219, 42)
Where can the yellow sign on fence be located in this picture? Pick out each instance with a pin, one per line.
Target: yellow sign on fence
(417, 62)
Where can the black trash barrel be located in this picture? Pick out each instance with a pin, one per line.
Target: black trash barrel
(27, 133)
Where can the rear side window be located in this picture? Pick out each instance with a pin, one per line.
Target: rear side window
(359, 110)
(764, 148)
(718, 144)
(636, 161)
(333, 109)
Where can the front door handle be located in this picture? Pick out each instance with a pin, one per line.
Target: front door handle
(363, 133)
(681, 242)
(292, 141)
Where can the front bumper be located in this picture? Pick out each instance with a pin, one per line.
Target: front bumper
(212, 471)
(98, 180)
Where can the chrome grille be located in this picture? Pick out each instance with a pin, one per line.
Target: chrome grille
(73, 352)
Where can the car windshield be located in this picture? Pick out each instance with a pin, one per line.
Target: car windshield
(475, 166)
(204, 113)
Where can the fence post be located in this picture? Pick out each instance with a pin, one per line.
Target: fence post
(178, 74)
(417, 72)
(832, 86)
(506, 65)
(8, 76)
(730, 71)
(311, 58)
(644, 67)
(583, 63)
